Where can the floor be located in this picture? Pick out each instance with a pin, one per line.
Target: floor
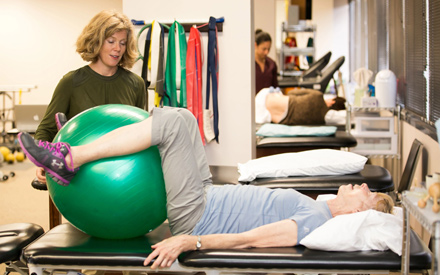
(19, 202)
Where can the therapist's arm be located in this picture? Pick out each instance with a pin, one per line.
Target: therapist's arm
(278, 234)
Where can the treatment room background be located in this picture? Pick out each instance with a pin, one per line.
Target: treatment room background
(38, 48)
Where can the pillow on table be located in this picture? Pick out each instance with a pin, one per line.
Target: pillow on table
(317, 162)
(366, 230)
(280, 130)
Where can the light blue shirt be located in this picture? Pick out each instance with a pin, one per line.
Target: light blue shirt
(239, 208)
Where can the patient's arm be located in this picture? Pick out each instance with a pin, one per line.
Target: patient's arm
(278, 234)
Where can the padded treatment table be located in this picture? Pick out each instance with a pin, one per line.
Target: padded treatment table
(268, 146)
(65, 248)
(13, 238)
(319, 82)
(378, 179)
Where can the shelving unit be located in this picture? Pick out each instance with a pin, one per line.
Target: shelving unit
(377, 131)
(286, 50)
(428, 219)
(7, 115)
(380, 126)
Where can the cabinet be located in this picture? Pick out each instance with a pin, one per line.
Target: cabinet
(428, 219)
(296, 51)
(377, 130)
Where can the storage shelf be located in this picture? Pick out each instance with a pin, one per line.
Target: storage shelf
(299, 51)
(369, 114)
(427, 218)
(295, 51)
(298, 28)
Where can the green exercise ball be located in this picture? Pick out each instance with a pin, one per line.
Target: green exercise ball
(113, 198)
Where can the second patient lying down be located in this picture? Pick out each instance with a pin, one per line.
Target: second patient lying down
(298, 107)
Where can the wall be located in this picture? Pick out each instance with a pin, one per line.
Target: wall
(332, 30)
(428, 163)
(264, 14)
(38, 42)
(236, 84)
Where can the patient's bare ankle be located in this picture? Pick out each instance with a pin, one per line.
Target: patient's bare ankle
(71, 160)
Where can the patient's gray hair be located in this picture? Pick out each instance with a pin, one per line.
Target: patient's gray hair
(385, 203)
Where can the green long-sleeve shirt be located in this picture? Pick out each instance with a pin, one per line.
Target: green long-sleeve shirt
(83, 89)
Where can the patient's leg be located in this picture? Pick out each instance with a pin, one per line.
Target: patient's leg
(197, 144)
(121, 141)
(57, 158)
(184, 165)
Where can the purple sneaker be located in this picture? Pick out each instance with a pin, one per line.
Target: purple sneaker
(50, 156)
(60, 120)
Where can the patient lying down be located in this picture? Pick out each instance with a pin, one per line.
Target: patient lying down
(298, 107)
(201, 215)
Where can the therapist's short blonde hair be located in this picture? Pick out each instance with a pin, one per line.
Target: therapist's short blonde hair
(103, 25)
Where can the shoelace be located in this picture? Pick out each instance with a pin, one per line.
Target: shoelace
(57, 147)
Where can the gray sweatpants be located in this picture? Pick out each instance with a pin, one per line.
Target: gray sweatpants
(185, 168)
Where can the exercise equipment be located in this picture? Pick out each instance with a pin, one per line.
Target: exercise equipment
(20, 156)
(10, 158)
(4, 177)
(65, 248)
(114, 198)
(5, 151)
(14, 237)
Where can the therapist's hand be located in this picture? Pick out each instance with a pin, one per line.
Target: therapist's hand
(169, 249)
(41, 175)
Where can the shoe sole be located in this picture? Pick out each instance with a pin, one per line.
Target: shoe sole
(37, 163)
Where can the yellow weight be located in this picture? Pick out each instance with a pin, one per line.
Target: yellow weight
(4, 151)
(19, 156)
(10, 158)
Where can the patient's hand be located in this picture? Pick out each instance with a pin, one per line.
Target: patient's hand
(169, 249)
(41, 175)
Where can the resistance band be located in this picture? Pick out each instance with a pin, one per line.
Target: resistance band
(212, 74)
(146, 54)
(153, 65)
(155, 62)
(175, 71)
(194, 66)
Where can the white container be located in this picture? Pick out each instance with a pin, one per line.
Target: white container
(386, 89)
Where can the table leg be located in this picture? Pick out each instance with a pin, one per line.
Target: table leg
(54, 215)
(436, 248)
(405, 242)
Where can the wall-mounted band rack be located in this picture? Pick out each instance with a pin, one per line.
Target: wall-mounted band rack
(186, 26)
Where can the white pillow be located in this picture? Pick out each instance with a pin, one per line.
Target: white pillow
(336, 117)
(307, 163)
(279, 130)
(367, 230)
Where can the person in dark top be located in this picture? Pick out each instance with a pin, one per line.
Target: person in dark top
(265, 68)
(108, 42)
